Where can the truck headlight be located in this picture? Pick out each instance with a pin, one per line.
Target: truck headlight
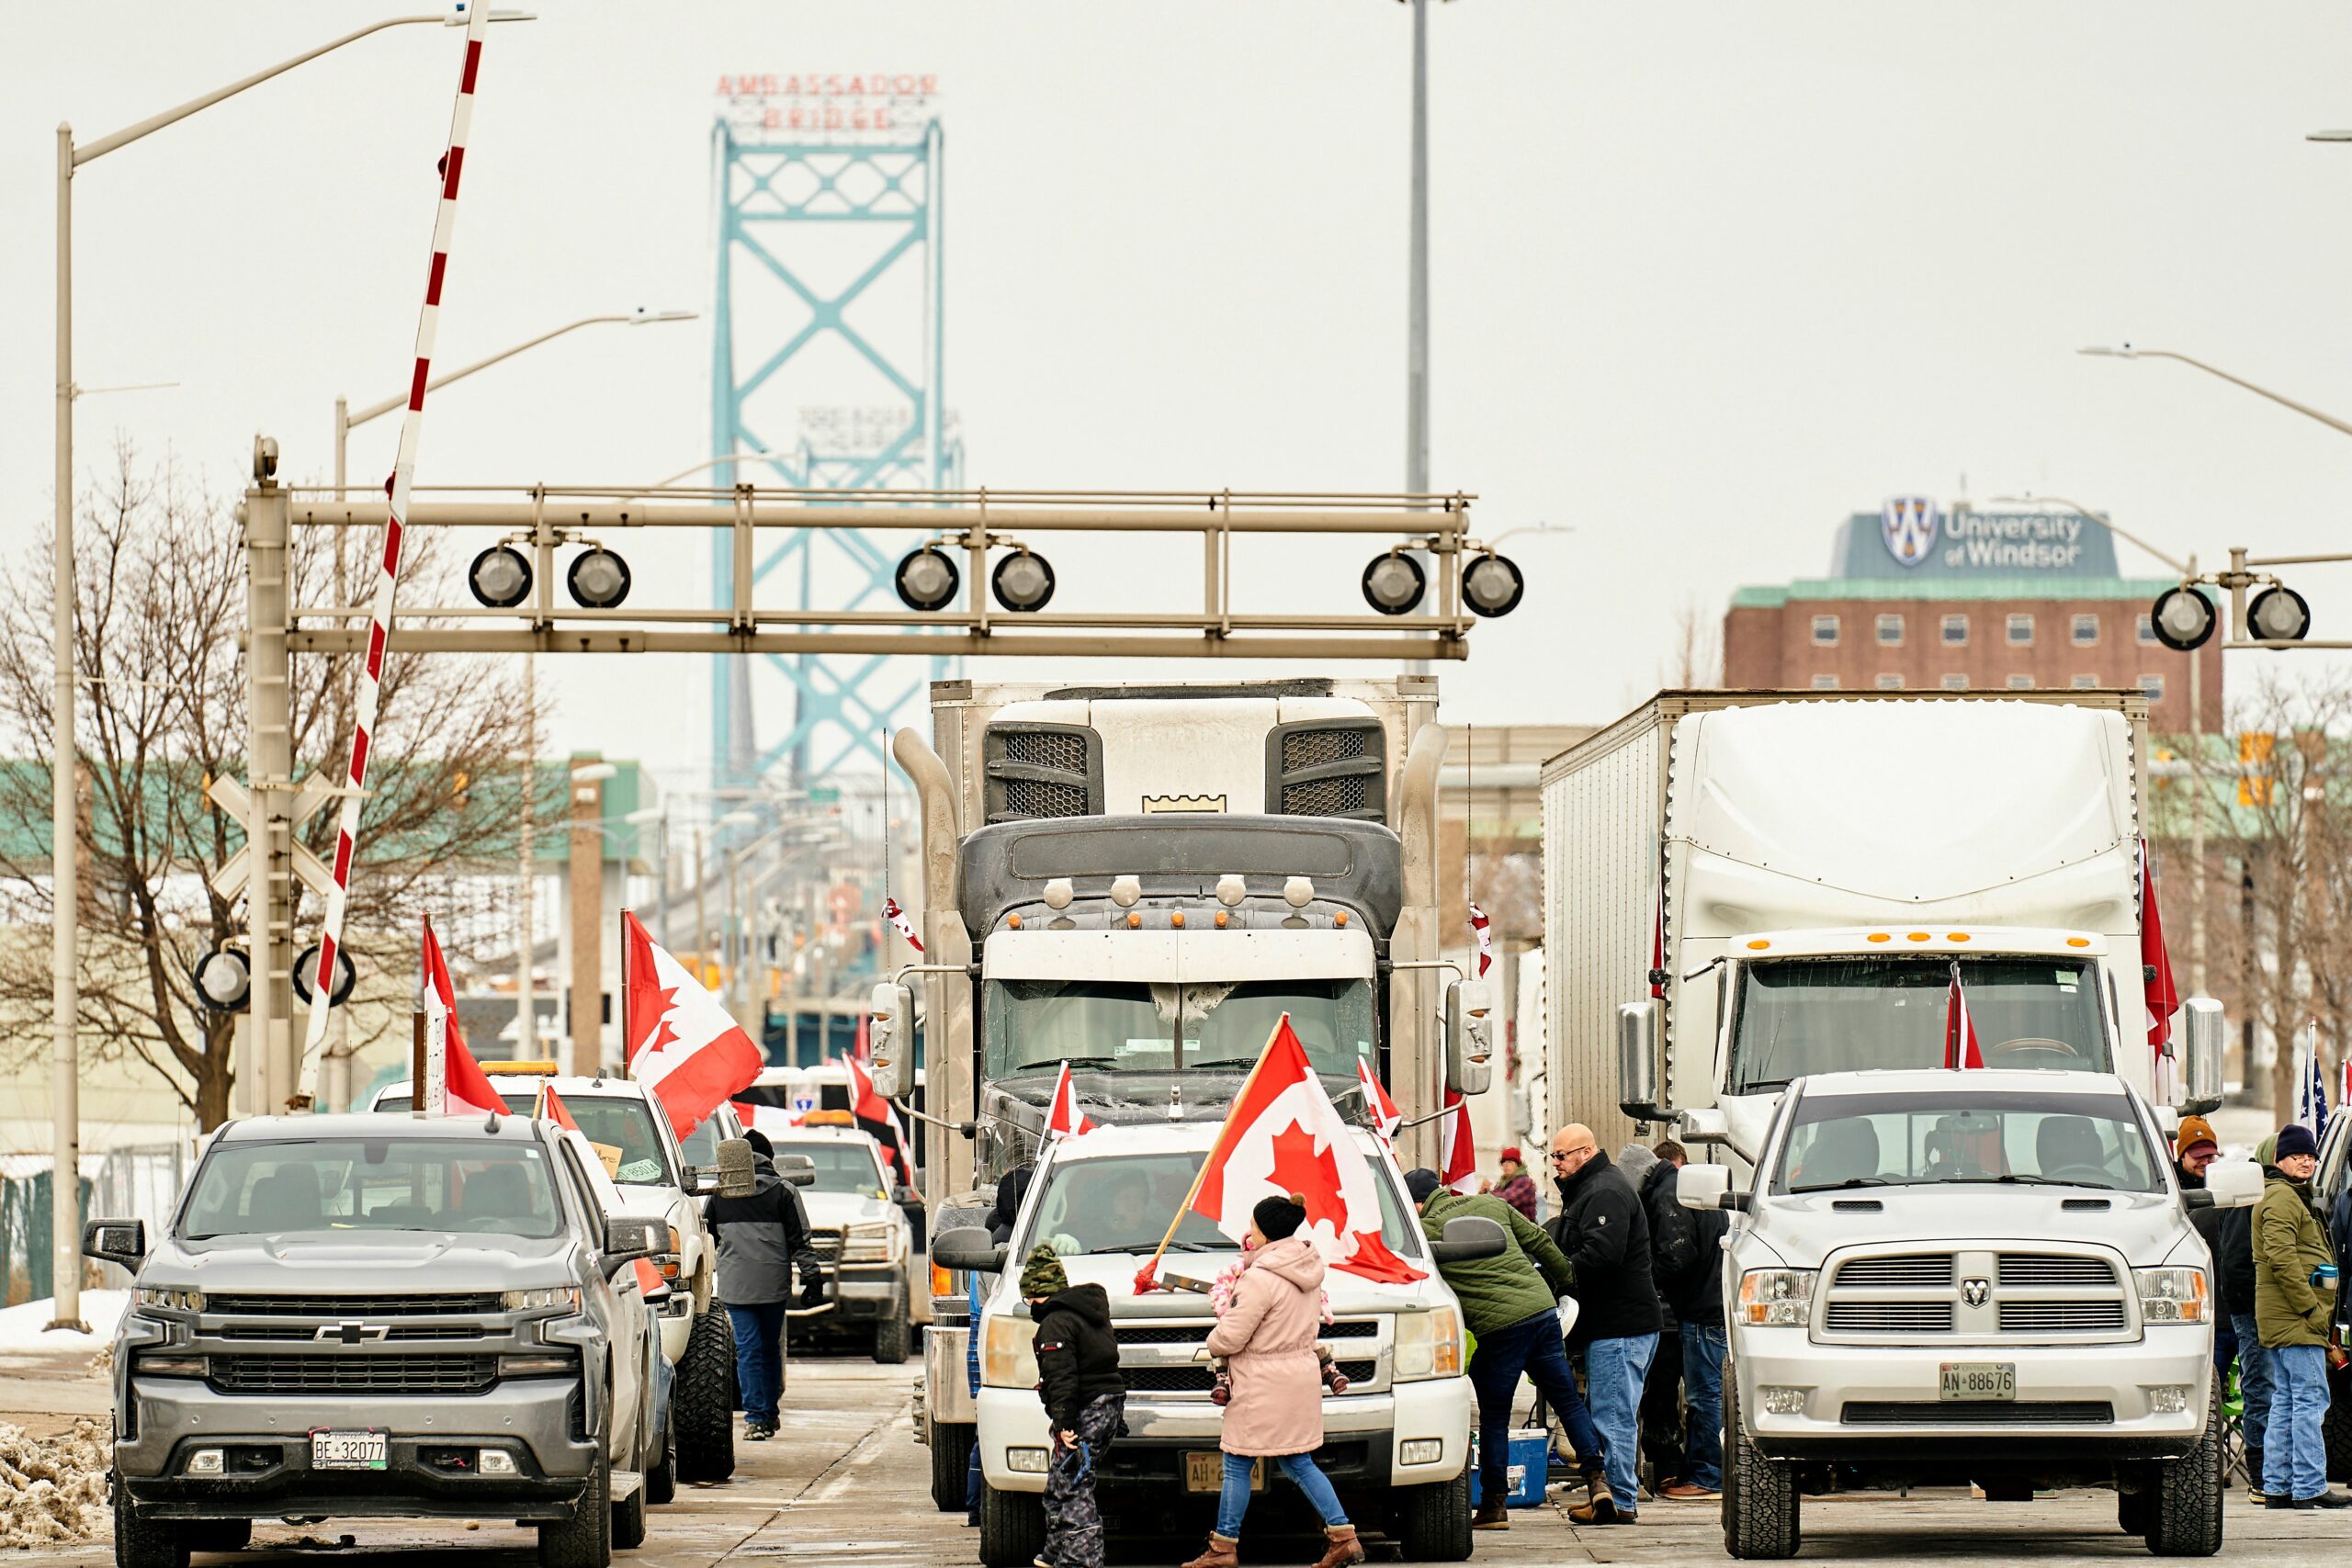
(171, 1366)
(1777, 1298)
(2173, 1295)
(169, 1301)
(564, 1296)
(870, 1244)
(1008, 1352)
(1428, 1345)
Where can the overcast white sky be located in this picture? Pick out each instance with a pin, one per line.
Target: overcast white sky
(1706, 278)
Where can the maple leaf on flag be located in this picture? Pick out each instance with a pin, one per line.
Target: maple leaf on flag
(1314, 1176)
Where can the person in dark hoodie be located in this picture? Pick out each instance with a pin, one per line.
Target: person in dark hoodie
(1687, 1257)
(759, 1237)
(2229, 1234)
(1077, 1377)
(1004, 1210)
(1605, 1234)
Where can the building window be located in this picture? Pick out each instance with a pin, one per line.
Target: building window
(2020, 631)
(2020, 682)
(1825, 631)
(1955, 683)
(1889, 683)
(2086, 630)
(1825, 682)
(2147, 629)
(2084, 683)
(1890, 631)
(1955, 630)
(2152, 687)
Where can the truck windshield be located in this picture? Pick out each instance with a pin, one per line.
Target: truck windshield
(841, 1168)
(1797, 1015)
(1154, 1027)
(627, 1125)
(1123, 1205)
(372, 1184)
(1839, 1140)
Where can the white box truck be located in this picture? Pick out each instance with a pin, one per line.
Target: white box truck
(1744, 887)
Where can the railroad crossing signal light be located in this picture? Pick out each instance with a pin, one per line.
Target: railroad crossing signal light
(2278, 614)
(1492, 585)
(1394, 583)
(346, 976)
(2182, 619)
(224, 980)
(1023, 581)
(500, 577)
(927, 580)
(598, 579)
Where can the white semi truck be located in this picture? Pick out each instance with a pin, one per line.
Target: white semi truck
(1746, 888)
(1139, 881)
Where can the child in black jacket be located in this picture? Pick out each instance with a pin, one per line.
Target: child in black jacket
(1078, 1378)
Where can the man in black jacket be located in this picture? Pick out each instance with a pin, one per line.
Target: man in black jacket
(1687, 1254)
(759, 1237)
(1606, 1236)
(1077, 1377)
(2229, 1235)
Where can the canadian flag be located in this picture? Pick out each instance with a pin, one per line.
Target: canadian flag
(1483, 930)
(868, 1106)
(2164, 995)
(1960, 1049)
(899, 923)
(552, 1109)
(465, 1087)
(1385, 1117)
(1283, 1136)
(1063, 1118)
(1457, 1152)
(765, 1117)
(681, 1043)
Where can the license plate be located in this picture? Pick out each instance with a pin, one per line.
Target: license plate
(1205, 1472)
(347, 1450)
(1979, 1380)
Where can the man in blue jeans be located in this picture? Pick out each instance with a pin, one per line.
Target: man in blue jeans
(759, 1237)
(1510, 1304)
(1605, 1236)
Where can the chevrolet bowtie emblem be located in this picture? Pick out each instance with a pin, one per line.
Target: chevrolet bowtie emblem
(352, 1332)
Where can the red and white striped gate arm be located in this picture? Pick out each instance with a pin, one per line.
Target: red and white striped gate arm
(380, 614)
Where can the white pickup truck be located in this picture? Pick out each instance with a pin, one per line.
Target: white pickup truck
(1394, 1445)
(1947, 1277)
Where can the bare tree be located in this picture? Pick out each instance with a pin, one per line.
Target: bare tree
(1695, 660)
(159, 632)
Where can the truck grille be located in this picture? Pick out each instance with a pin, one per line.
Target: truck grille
(1890, 1317)
(2054, 1268)
(1977, 1294)
(1920, 1272)
(825, 1245)
(1201, 1379)
(1195, 1333)
(353, 1375)
(337, 1307)
(2062, 1317)
(1975, 1413)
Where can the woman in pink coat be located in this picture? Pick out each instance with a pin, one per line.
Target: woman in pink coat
(1266, 1337)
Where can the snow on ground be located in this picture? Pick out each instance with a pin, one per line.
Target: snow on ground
(54, 1491)
(25, 1327)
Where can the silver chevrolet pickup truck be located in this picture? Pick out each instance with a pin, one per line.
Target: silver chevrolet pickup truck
(388, 1317)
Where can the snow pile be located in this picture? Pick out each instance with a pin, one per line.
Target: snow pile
(54, 1491)
(26, 1326)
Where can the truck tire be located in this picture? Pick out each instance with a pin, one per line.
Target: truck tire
(585, 1539)
(217, 1535)
(628, 1520)
(951, 1464)
(1434, 1521)
(662, 1475)
(1761, 1503)
(2185, 1513)
(702, 1403)
(1013, 1529)
(142, 1542)
(891, 1334)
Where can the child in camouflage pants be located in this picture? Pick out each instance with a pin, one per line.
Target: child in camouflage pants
(1078, 1378)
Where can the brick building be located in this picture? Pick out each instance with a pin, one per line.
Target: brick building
(2027, 598)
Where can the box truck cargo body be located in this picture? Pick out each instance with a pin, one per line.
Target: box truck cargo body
(1792, 881)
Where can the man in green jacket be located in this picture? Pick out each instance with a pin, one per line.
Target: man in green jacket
(2293, 1310)
(1510, 1304)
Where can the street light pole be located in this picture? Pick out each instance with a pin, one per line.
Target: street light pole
(1417, 288)
(2127, 352)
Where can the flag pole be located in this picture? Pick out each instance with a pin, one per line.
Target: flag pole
(1145, 1280)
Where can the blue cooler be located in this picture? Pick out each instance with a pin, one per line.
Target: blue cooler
(1531, 1449)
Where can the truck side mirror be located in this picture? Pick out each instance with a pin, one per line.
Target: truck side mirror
(1707, 1187)
(893, 1027)
(798, 1170)
(1705, 1127)
(1468, 1240)
(1641, 1068)
(628, 1237)
(2232, 1184)
(1469, 1036)
(121, 1242)
(968, 1248)
(2207, 1035)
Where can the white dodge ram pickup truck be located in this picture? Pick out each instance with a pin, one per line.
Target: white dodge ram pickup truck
(1944, 1278)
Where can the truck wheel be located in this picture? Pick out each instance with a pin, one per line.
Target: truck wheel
(1760, 1504)
(585, 1539)
(702, 1404)
(891, 1334)
(1434, 1521)
(142, 1542)
(1013, 1529)
(662, 1475)
(2185, 1513)
(628, 1520)
(217, 1535)
(951, 1464)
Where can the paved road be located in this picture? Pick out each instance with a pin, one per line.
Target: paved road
(845, 1484)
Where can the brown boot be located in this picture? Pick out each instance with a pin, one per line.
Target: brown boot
(1599, 1504)
(1344, 1547)
(1220, 1554)
(1494, 1514)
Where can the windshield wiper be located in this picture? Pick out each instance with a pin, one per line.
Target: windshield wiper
(1146, 1247)
(2014, 1179)
(1223, 1062)
(1060, 1062)
(1759, 1085)
(1842, 1186)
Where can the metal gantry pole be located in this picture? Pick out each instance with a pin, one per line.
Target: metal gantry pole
(526, 1022)
(65, 823)
(269, 764)
(1417, 289)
